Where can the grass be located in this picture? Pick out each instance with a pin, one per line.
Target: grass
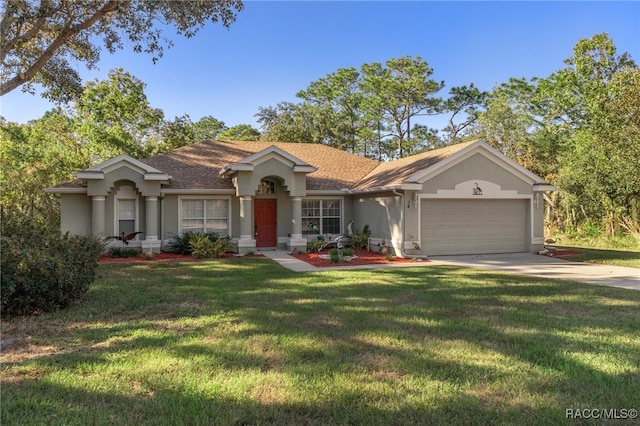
(620, 251)
(246, 342)
(616, 257)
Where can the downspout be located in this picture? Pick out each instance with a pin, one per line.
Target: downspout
(401, 195)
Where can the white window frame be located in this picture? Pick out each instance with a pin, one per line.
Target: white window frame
(204, 198)
(321, 199)
(125, 192)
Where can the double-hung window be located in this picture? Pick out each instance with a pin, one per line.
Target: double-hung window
(205, 215)
(321, 216)
(126, 215)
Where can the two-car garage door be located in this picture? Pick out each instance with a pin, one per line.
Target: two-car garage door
(463, 226)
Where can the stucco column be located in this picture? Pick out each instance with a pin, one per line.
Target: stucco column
(296, 240)
(98, 214)
(246, 221)
(296, 217)
(151, 216)
(247, 241)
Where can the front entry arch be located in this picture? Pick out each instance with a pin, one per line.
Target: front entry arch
(265, 217)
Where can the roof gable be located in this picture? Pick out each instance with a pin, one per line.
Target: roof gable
(98, 171)
(472, 148)
(272, 152)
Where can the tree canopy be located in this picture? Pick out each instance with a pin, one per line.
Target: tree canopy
(42, 40)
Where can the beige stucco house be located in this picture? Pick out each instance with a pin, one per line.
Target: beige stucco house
(463, 199)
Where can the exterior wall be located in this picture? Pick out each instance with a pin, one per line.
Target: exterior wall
(476, 167)
(248, 181)
(384, 214)
(75, 214)
(496, 181)
(124, 173)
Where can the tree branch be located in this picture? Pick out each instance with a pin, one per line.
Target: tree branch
(66, 34)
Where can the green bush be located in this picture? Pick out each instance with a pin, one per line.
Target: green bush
(203, 247)
(43, 270)
(123, 252)
(314, 245)
(348, 252)
(182, 243)
(360, 239)
(334, 257)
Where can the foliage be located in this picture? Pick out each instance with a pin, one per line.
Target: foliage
(123, 252)
(116, 118)
(314, 245)
(41, 270)
(34, 156)
(348, 252)
(334, 257)
(43, 42)
(181, 243)
(360, 238)
(368, 111)
(203, 246)
(241, 132)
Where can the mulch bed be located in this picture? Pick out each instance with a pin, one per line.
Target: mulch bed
(157, 257)
(562, 253)
(363, 257)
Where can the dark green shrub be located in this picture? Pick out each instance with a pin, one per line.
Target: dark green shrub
(42, 270)
(181, 243)
(203, 246)
(348, 252)
(123, 252)
(334, 257)
(360, 239)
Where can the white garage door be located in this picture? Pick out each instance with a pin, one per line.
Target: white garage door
(473, 226)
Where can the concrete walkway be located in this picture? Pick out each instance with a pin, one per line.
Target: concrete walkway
(517, 263)
(548, 267)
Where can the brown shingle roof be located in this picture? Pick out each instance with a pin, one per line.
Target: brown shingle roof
(398, 171)
(198, 166)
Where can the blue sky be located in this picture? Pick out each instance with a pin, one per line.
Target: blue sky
(275, 49)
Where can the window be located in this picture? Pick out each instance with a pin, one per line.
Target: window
(126, 216)
(321, 217)
(205, 216)
(266, 187)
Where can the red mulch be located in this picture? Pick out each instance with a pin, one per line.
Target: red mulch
(364, 257)
(157, 257)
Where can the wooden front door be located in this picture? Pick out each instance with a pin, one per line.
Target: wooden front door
(264, 214)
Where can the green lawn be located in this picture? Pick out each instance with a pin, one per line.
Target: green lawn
(247, 342)
(627, 257)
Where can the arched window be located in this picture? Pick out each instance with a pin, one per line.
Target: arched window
(266, 186)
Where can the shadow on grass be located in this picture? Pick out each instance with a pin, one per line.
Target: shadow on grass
(248, 342)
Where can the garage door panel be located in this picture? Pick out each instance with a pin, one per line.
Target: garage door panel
(473, 226)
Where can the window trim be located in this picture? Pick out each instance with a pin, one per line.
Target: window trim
(320, 226)
(210, 197)
(126, 192)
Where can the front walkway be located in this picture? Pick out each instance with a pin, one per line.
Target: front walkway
(516, 263)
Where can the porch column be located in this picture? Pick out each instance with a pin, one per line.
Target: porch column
(296, 240)
(296, 217)
(151, 242)
(247, 241)
(98, 214)
(151, 216)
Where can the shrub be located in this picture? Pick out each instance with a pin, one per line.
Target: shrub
(43, 270)
(203, 247)
(348, 252)
(334, 257)
(314, 245)
(123, 252)
(182, 243)
(360, 239)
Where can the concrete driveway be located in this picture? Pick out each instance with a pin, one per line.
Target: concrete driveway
(548, 267)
